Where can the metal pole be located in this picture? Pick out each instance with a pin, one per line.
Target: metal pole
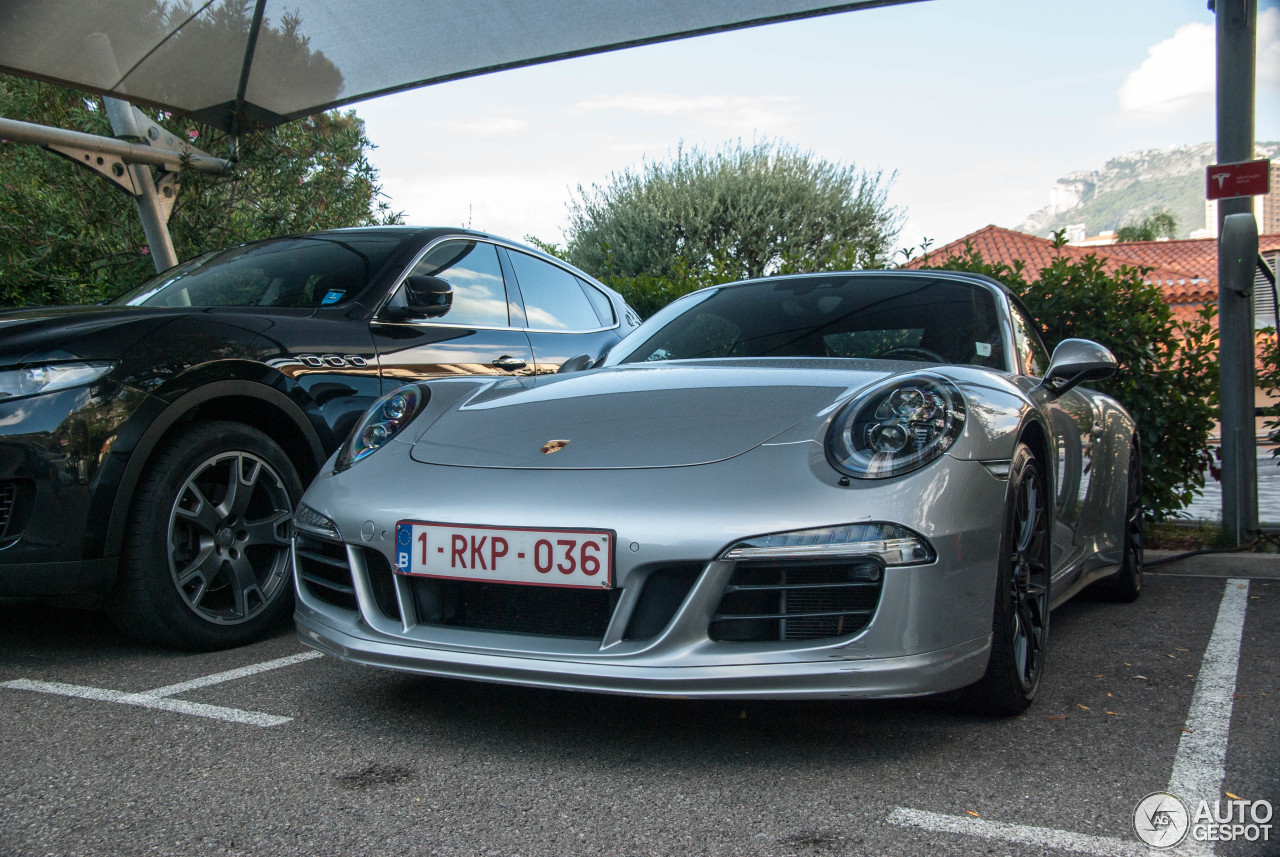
(135, 153)
(123, 124)
(1236, 35)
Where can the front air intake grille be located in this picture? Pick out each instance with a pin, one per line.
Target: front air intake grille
(542, 610)
(779, 601)
(323, 571)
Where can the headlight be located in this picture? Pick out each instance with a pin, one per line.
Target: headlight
(383, 421)
(896, 427)
(50, 378)
(893, 544)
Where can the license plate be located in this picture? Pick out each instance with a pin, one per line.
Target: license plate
(574, 558)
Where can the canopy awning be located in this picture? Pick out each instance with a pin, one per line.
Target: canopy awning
(228, 63)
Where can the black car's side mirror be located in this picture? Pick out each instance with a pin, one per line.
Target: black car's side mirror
(1075, 361)
(426, 296)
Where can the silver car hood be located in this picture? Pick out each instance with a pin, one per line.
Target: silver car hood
(669, 414)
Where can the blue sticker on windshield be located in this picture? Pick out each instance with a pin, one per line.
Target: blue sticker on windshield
(332, 297)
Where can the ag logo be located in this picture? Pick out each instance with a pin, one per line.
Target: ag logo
(1161, 820)
(554, 446)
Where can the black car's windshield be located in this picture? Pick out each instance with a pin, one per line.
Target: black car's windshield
(308, 271)
(872, 317)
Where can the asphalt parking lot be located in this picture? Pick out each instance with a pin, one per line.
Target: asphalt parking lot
(111, 749)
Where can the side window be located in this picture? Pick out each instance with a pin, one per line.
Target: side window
(471, 267)
(1026, 341)
(553, 298)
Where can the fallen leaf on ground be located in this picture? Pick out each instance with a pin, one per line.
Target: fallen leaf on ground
(1108, 696)
(1085, 707)
(1113, 714)
(1144, 678)
(1059, 717)
(1185, 729)
(1099, 675)
(1233, 797)
(974, 814)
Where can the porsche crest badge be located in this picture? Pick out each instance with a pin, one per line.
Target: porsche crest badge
(554, 446)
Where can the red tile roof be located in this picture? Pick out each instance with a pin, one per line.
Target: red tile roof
(1186, 271)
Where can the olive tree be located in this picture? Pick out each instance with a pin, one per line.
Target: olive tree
(740, 211)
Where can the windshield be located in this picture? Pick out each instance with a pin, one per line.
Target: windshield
(308, 271)
(886, 317)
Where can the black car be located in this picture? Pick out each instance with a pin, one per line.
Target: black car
(152, 448)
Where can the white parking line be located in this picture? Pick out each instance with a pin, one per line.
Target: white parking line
(1199, 765)
(1044, 838)
(160, 698)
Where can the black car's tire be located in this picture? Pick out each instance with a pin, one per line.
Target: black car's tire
(1125, 585)
(206, 557)
(1020, 621)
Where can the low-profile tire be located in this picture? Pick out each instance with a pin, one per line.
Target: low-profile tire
(206, 556)
(1020, 621)
(1125, 585)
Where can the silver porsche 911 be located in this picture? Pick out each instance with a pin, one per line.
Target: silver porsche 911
(868, 484)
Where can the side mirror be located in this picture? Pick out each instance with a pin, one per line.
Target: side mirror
(1075, 361)
(427, 296)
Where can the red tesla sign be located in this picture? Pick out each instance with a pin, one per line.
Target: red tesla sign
(1250, 178)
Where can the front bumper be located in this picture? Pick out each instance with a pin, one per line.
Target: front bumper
(908, 675)
(929, 631)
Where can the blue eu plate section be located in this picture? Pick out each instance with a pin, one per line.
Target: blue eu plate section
(404, 543)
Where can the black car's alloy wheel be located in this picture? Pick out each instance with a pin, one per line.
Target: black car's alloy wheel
(1020, 624)
(207, 557)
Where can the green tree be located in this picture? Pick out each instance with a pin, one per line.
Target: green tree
(1168, 376)
(1153, 227)
(742, 211)
(69, 236)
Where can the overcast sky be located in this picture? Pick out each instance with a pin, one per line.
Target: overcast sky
(976, 107)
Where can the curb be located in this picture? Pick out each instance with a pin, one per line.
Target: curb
(1261, 566)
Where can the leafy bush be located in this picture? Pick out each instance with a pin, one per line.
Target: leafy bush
(1168, 378)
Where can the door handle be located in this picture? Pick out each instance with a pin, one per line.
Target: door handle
(509, 364)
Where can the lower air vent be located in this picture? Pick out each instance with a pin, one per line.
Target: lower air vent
(324, 572)
(776, 602)
(542, 610)
(383, 583)
(661, 593)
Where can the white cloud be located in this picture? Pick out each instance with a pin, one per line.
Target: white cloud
(1178, 74)
(1269, 48)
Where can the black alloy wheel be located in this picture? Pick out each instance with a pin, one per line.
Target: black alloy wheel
(1020, 622)
(207, 562)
